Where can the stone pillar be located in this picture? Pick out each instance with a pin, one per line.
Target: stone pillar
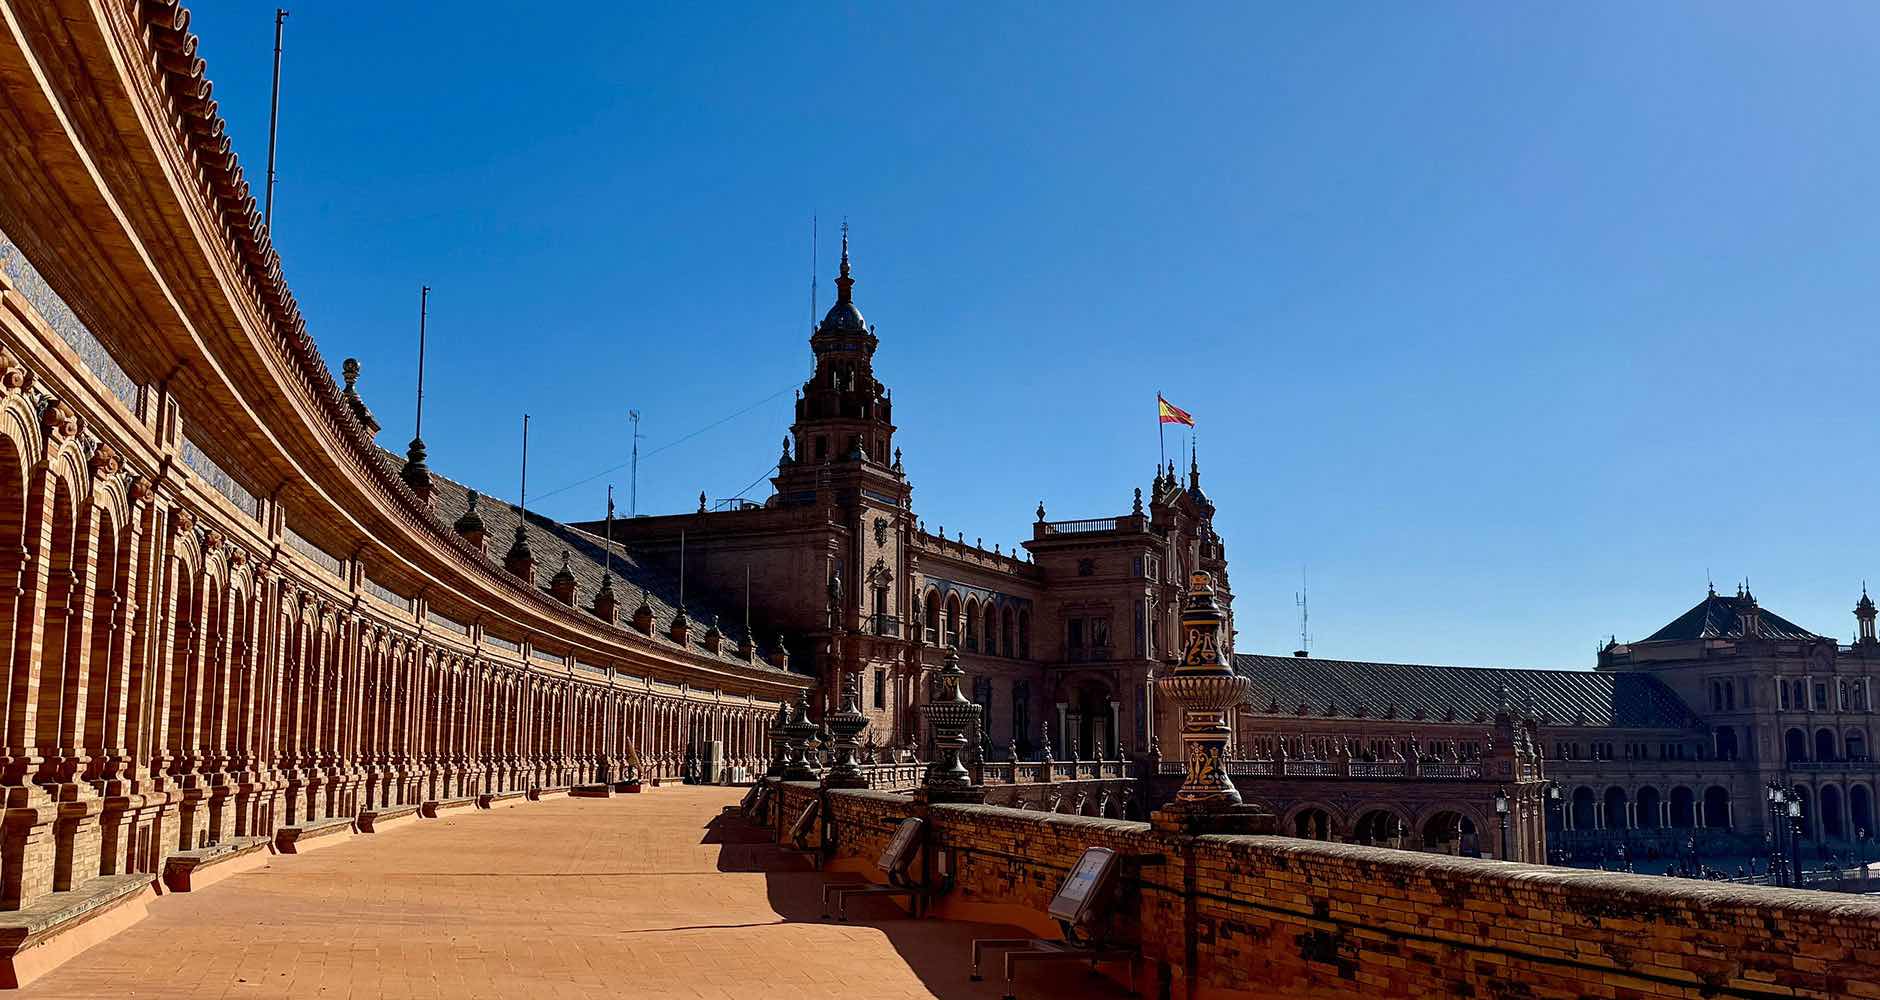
(796, 736)
(949, 715)
(846, 724)
(1205, 687)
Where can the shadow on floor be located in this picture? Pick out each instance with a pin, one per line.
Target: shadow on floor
(935, 950)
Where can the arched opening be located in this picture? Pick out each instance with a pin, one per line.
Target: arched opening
(1824, 744)
(991, 632)
(183, 642)
(1615, 803)
(1860, 811)
(1717, 808)
(1648, 807)
(932, 611)
(1683, 808)
(1005, 632)
(1090, 722)
(1729, 696)
(1450, 832)
(1833, 825)
(1794, 746)
(1585, 815)
(57, 660)
(972, 625)
(1856, 742)
(1380, 828)
(1312, 824)
(1726, 743)
(953, 620)
(107, 636)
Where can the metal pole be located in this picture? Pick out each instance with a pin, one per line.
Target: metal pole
(524, 505)
(424, 301)
(633, 495)
(274, 119)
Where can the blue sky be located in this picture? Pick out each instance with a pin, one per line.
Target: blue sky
(1505, 322)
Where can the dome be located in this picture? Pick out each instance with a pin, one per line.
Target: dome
(844, 316)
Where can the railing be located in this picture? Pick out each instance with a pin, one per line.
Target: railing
(887, 625)
(1367, 769)
(1080, 527)
(1302, 768)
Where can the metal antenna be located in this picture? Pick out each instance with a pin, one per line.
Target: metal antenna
(424, 305)
(607, 561)
(274, 120)
(633, 497)
(1305, 615)
(524, 505)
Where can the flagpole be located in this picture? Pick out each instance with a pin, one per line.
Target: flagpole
(1160, 435)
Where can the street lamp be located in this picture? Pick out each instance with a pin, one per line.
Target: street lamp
(1501, 813)
(1795, 838)
(1778, 813)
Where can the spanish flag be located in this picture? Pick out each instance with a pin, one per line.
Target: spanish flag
(1172, 414)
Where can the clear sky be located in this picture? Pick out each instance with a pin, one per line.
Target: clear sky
(1506, 322)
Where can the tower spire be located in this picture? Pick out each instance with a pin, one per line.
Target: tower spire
(844, 281)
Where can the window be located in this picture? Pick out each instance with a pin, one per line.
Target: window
(1136, 567)
(1729, 696)
(1074, 634)
(1783, 690)
(1821, 697)
(1006, 632)
(881, 689)
(1840, 702)
(1142, 629)
(1024, 635)
(1100, 633)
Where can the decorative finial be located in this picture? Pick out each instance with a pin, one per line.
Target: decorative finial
(1041, 510)
(785, 460)
(701, 501)
(844, 281)
(1137, 507)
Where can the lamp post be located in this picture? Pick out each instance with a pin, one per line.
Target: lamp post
(1558, 811)
(1795, 839)
(1501, 814)
(1778, 819)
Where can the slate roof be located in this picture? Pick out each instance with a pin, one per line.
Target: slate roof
(549, 538)
(1718, 617)
(1557, 697)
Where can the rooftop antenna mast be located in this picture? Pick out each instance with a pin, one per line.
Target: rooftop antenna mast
(274, 120)
(1305, 617)
(633, 497)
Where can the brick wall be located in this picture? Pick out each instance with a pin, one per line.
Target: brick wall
(1276, 916)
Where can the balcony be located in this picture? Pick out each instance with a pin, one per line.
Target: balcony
(885, 625)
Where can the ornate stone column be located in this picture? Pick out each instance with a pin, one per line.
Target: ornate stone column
(949, 715)
(1206, 689)
(796, 737)
(778, 752)
(846, 724)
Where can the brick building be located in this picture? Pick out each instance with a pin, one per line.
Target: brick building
(1061, 641)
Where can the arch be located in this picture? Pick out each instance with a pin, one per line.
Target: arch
(1585, 816)
(1726, 743)
(1683, 808)
(1024, 633)
(1825, 744)
(1450, 832)
(1382, 826)
(1860, 810)
(1833, 817)
(1647, 808)
(990, 633)
(1615, 800)
(58, 659)
(1794, 746)
(1008, 622)
(1717, 808)
(930, 606)
(971, 635)
(1855, 743)
(14, 637)
(952, 637)
(1729, 696)
(1311, 821)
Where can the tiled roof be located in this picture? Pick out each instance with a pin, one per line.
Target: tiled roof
(1718, 617)
(1459, 694)
(548, 539)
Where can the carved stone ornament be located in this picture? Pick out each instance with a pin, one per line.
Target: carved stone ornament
(182, 521)
(105, 462)
(61, 420)
(13, 375)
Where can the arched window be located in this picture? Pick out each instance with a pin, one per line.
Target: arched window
(1856, 741)
(933, 617)
(1824, 744)
(992, 629)
(953, 620)
(1024, 634)
(1794, 745)
(1717, 808)
(972, 624)
(1729, 696)
(1005, 644)
(1726, 743)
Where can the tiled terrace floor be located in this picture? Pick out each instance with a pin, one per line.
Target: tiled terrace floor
(566, 898)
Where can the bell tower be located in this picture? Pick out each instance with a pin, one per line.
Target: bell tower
(843, 415)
